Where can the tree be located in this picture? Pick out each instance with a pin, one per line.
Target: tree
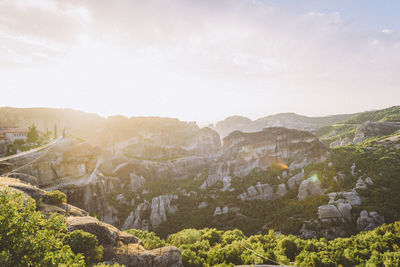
(55, 131)
(33, 134)
(86, 244)
(27, 239)
(63, 133)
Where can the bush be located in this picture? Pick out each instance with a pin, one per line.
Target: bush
(27, 239)
(150, 240)
(55, 197)
(86, 244)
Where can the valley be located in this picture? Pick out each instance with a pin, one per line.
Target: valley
(164, 176)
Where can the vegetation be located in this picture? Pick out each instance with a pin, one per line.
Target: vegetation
(212, 247)
(27, 239)
(85, 244)
(33, 134)
(55, 197)
(388, 114)
(150, 240)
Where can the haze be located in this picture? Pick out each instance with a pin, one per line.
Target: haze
(200, 60)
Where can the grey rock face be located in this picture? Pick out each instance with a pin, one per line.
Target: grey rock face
(327, 213)
(372, 129)
(296, 180)
(360, 184)
(368, 221)
(160, 207)
(247, 151)
(259, 191)
(202, 205)
(281, 190)
(310, 186)
(217, 211)
(351, 197)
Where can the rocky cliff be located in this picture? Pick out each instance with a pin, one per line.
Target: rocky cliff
(119, 247)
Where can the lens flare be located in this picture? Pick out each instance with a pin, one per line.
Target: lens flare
(282, 165)
(314, 177)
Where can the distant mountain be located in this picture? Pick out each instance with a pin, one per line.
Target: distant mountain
(287, 120)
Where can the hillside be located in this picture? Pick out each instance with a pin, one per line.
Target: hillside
(164, 176)
(287, 120)
(345, 132)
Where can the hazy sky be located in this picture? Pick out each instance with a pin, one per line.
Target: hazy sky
(200, 59)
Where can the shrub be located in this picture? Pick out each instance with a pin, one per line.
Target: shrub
(55, 197)
(27, 239)
(86, 244)
(150, 240)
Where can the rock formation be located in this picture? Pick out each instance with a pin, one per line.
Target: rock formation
(119, 247)
(309, 187)
(374, 129)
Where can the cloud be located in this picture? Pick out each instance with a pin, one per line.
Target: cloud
(229, 50)
(32, 31)
(388, 31)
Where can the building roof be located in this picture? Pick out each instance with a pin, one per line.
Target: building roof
(14, 130)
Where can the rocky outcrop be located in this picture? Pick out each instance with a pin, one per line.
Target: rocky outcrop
(119, 247)
(219, 211)
(351, 197)
(281, 190)
(160, 207)
(166, 141)
(150, 215)
(339, 212)
(258, 191)
(374, 129)
(309, 187)
(275, 145)
(296, 180)
(369, 220)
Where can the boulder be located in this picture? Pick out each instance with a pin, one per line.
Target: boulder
(296, 180)
(310, 186)
(369, 220)
(281, 190)
(258, 191)
(202, 205)
(217, 211)
(327, 213)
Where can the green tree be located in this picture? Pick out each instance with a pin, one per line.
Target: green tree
(33, 134)
(27, 239)
(150, 240)
(55, 131)
(86, 244)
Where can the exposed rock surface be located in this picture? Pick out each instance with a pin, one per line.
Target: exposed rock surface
(369, 220)
(373, 129)
(310, 187)
(119, 247)
(258, 191)
(296, 180)
(160, 207)
(272, 146)
(152, 214)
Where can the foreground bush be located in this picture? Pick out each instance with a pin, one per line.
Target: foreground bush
(27, 239)
(86, 244)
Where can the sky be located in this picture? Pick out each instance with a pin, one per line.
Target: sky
(200, 60)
